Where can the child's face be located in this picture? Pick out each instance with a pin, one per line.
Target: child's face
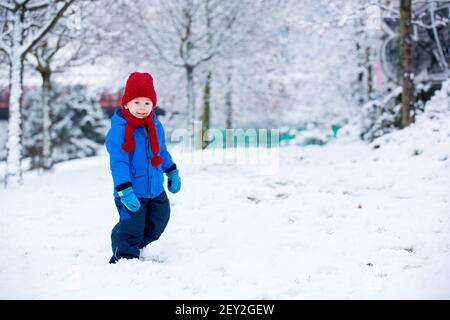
(140, 107)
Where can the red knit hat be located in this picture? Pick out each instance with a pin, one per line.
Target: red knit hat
(139, 84)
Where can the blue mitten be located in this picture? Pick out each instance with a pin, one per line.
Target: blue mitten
(129, 199)
(174, 181)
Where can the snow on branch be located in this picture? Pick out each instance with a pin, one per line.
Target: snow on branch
(37, 5)
(155, 44)
(4, 48)
(7, 6)
(45, 28)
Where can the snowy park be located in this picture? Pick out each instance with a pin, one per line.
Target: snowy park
(310, 168)
(345, 221)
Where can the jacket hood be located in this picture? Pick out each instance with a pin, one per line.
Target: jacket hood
(118, 119)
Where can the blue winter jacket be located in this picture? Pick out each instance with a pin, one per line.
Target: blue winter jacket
(135, 167)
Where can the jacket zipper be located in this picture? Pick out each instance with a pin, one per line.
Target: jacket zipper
(148, 159)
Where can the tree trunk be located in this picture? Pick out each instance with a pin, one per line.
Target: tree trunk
(13, 172)
(369, 70)
(360, 78)
(47, 159)
(19, 9)
(406, 63)
(191, 108)
(206, 109)
(207, 89)
(190, 96)
(229, 112)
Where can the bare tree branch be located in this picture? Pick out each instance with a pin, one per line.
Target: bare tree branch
(57, 47)
(5, 49)
(155, 44)
(7, 6)
(37, 6)
(45, 29)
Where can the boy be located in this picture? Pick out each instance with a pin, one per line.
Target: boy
(138, 157)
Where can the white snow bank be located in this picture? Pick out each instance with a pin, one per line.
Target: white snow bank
(429, 135)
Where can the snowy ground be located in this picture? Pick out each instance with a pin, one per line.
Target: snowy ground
(341, 221)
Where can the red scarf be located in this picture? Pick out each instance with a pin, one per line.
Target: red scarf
(133, 123)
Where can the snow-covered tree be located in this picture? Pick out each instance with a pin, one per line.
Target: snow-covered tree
(404, 93)
(187, 40)
(302, 70)
(25, 23)
(71, 43)
(184, 35)
(79, 124)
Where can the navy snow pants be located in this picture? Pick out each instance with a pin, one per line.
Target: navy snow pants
(135, 230)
